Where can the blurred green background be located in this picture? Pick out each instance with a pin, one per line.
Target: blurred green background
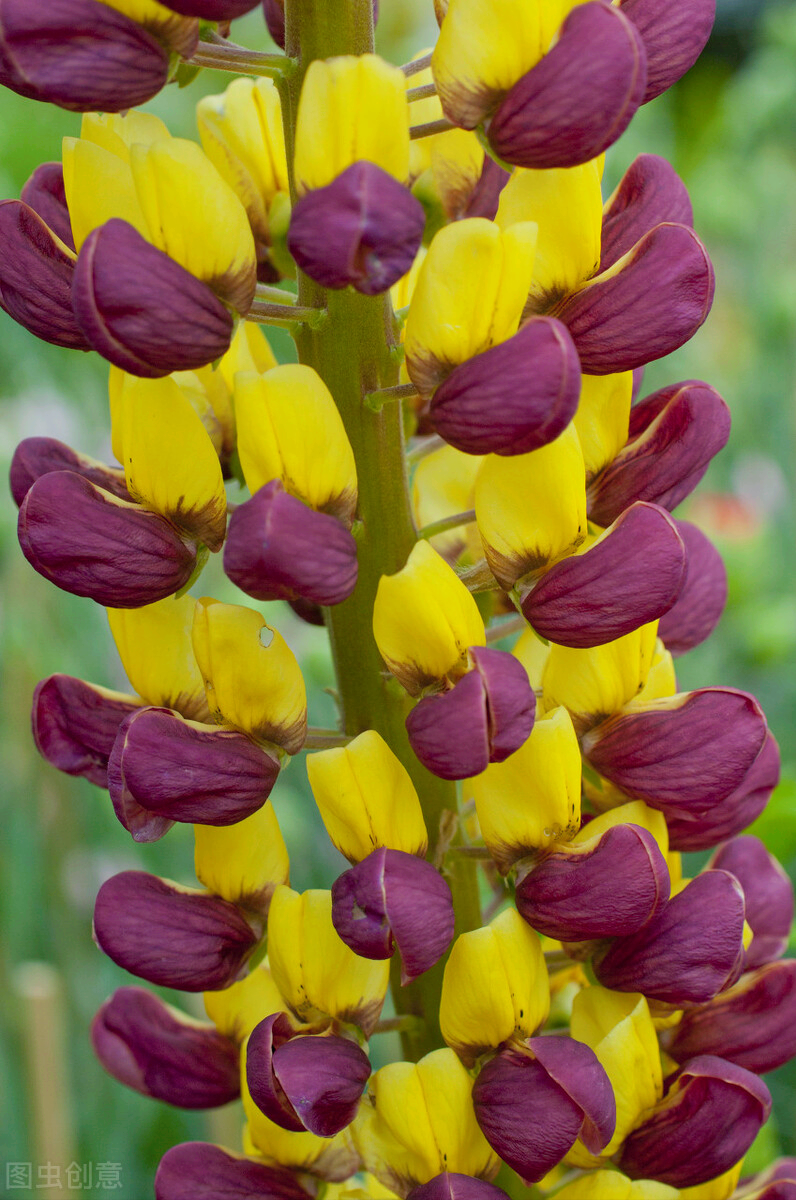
(729, 128)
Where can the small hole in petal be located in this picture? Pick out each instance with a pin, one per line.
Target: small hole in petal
(266, 636)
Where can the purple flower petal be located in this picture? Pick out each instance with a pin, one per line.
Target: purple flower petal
(452, 1186)
(37, 456)
(514, 398)
(45, 193)
(768, 892)
(449, 732)
(364, 229)
(606, 888)
(143, 311)
(674, 36)
(169, 935)
(650, 303)
(649, 193)
(698, 608)
(324, 1078)
(632, 576)
(211, 10)
(75, 725)
(90, 543)
(579, 98)
(199, 1171)
(575, 1068)
(510, 701)
(147, 1046)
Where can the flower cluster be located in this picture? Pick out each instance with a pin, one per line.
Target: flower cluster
(460, 455)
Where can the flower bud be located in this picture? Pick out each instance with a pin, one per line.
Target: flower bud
(169, 935)
(487, 716)
(44, 192)
(278, 548)
(620, 1031)
(470, 295)
(37, 456)
(83, 55)
(243, 862)
(242, 135)
(143, 311)
(200, 1171)
(158, 1051)
(305, 1083)
(417, 1120)
(514, 398)
(363, 229)
(450, 1186)
(531, 509)
(251, 677)
(704, 830)
(649, 192)
(90, 543)
(366, 798)
(579, 98)
(596, 682)
(75, 725)
(315, 971)
(36, 277)
(289, 428)
(673, 38)
(697, 610)
(753, 1024)
(688, 751)
(691, 950)
(351, 108)
(707, 1121)
(768, 892)
(154, 644)
(533, 798)
(629, 576)
(553, 1086)
(605, 886)
(425, 620)
(494, 988)
(392, 899)
(652, 300)
(674, 433)
(164, 769)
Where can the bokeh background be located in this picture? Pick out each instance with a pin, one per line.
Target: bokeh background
(729, 128)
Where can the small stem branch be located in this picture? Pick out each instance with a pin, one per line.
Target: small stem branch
(265, 292)
(221, 56)
(417, 65)
(430, 128)
(479, 578)
(421, 93)
(423, 448)
(375, 401)
(325, 739)
(403, 1024)
(557, 960)
(446, 523)
(505, 629)
(286, 316)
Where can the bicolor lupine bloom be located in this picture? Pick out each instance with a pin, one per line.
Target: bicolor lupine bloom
(458, 456)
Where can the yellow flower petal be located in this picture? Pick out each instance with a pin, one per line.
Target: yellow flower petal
(443, 485)
(636, 812)
(602, 418)
(366, 798)
(243, 862)
(611, 1185)
(598, 682)
(424, 620)
(236, 1010)
(154, 644)
(99, 185)
(328, 1158)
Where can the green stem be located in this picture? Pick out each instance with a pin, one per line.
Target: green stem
(353, 353)
(446, 523)
(285, 316)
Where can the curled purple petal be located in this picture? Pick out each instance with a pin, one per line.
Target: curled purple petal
(704, 1125)
(514, 398)
(698, 608)
(148, 1046)
(75, 725)
(768, 892)
(689, 952)
(211, 10)
(651, 301)
(169, 935)
(278, 548)
(164, 769)
(510, 701)
(363, 229)
(200, 1171)
(393, 898)
(674, 433)
(674, 36)
(37, 456)
(633, 575)
(143, 311)
(689, 752)
(36, 276)
(579, 98)
(649, 193)
(90, 543)
(606, 887)
(45, 193)
(452, 1186)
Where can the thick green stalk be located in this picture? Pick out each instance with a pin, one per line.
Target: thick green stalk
(354, 353)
